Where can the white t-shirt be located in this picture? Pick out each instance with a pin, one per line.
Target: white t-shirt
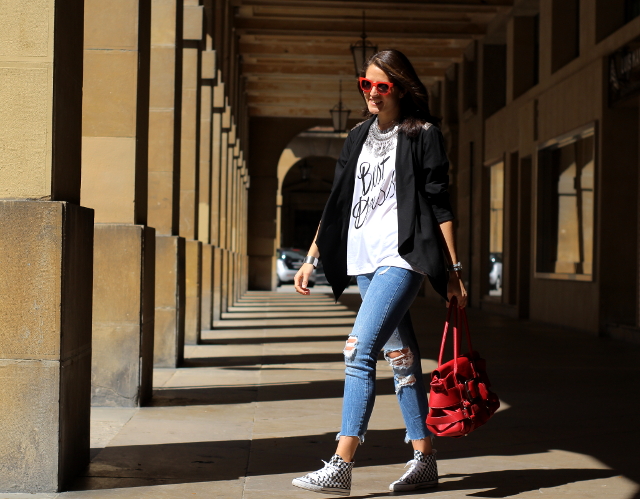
(373, 222)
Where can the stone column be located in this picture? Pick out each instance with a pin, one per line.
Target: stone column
(230, 225)
(192, 37)
(216, 148)
(193, 292)
(114, 183)
(245, 201)
(245, 225)
(230, 199)
(240, 228)
(206, 293)
(230, 184)
(224, 186)
(235, 230)
(224, 140)
(46, 242)
(170, 301)
(205, 197)
(165, 95)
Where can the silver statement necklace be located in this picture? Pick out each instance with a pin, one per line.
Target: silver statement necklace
(378, 142)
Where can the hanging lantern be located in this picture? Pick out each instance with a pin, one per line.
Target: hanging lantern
(339, 114)
(362, 50)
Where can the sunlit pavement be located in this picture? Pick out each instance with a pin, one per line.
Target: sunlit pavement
(256, 405)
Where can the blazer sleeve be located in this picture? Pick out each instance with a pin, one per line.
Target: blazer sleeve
(436, 170)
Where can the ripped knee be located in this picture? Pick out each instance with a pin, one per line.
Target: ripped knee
(350, 347)
(402, 381)
(400, 359)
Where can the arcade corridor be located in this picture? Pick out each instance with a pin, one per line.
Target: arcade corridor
(258, 403)
(156, 154)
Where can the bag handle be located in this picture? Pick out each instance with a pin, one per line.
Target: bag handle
(447, 322)
(460, 317)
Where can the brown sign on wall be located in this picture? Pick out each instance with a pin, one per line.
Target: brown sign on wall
(624, 73)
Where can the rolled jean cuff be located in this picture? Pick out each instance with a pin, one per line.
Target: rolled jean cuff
(360, 437)
(408, 439)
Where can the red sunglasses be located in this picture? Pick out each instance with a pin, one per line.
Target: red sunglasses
(383, 87)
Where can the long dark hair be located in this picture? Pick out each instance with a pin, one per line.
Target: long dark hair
(414, 105)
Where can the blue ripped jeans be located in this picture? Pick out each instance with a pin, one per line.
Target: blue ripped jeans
(383, 323)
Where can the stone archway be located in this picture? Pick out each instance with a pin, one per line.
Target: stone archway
(305, 190)
(300, 200)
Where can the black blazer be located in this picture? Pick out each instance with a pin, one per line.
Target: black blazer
(422, 193)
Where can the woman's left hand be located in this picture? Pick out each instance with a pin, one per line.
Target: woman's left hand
(456, 288)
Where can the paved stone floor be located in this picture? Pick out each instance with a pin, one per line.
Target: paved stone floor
(258, 403)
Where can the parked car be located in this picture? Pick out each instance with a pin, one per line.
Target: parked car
(495, 274)
(289, 261)
(321, 279)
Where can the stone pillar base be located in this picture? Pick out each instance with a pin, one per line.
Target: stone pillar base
(262, 276)
(245, 274)
(45, 352)
(123, 315)
(224, 288)
(239, 291)
(233, 279)
(168, 342)
(207, 283)
(193, 292)
(217, 285)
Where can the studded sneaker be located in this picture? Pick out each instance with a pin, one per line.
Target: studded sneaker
(423, 473)
(334, 478)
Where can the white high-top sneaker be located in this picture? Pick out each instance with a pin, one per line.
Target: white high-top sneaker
(334, 478)
(422, 474)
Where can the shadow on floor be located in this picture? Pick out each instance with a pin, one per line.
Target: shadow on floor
(231, 324)
(566, 391)
(171, 397)
(307, 315)
(263, 359)
(268, 340)
(143, 465)
(508, 483)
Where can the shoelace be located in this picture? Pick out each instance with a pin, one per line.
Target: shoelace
(323, 474)
(414, 465)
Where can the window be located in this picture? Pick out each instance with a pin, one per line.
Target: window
(495, 78)
(496, 227)
(565, 207)
(525, 53)
(565, 33)
(469, 80)
(450, 97)
(631, 9)
(611, 15)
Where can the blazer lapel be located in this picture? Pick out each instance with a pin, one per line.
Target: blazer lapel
(406, 194)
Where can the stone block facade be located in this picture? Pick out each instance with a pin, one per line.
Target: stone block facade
(123, 315)
(45, 347)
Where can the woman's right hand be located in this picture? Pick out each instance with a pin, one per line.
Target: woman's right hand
(301, 280)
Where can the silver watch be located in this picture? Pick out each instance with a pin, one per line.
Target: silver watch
(312, 260)
(456, 267)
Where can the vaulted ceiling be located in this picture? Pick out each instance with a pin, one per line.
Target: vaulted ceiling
(295, 52)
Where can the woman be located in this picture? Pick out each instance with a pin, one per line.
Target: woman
(388, 221)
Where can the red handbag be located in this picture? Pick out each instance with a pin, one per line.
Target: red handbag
(459, 399)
